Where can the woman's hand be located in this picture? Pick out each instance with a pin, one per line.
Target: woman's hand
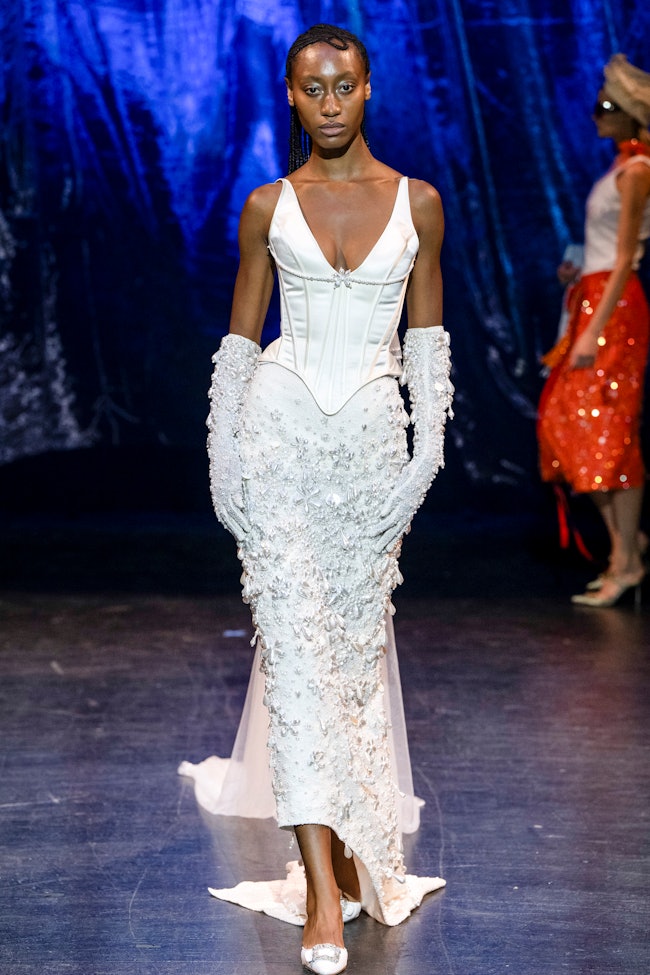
(584, 351)
(397, 513)
(427, 365)
(234, 367)
(567, 273)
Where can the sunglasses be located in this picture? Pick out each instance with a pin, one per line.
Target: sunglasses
(606, 108)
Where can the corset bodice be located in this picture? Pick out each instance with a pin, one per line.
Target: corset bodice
(339, 327)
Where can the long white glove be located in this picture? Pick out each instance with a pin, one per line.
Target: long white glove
(427, 365)
(234, 366)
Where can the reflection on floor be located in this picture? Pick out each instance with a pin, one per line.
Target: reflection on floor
(530, 739)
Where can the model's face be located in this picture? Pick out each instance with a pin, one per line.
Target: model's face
(329, 89)
(611, 121)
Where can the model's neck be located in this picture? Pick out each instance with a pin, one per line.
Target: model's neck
(348, 163)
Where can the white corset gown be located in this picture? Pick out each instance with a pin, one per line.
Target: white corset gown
(322, 443)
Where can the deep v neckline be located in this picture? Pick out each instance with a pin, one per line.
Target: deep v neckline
(374, 246)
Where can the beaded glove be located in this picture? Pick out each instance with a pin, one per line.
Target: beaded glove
(427, 365)
(234, 365)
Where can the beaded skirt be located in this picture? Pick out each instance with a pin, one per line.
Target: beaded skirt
(589, 419)
(314, 485)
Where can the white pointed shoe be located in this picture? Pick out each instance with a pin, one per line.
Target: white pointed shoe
(350, 909)
(324, 959)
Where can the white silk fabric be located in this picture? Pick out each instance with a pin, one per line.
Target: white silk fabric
(357, 311)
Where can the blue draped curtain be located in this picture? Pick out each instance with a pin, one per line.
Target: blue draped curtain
(133, 131)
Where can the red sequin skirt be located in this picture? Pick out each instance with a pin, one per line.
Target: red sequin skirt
(588, 426)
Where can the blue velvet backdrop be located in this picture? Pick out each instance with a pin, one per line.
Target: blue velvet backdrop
(134, 129)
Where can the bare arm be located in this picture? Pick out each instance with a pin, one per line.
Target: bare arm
(254, 282)
(424, 295)
(634, 187)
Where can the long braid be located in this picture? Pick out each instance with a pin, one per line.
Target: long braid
(337, 37)
(299, 142)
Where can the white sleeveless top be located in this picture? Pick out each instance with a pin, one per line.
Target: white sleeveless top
(339, 327)
(603, 215)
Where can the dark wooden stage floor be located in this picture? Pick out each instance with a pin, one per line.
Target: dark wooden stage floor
(123, 651)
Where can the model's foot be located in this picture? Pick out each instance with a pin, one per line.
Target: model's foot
(350, 909)
(632, 568)
(324, 925)
(618, 568)
(596, 584)
(613, 588)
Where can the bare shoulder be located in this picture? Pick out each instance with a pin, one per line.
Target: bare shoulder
(635, 174)
(259, 206)
(425, 199)
(426, 210)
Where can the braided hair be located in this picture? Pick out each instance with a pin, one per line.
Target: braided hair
(337, 37)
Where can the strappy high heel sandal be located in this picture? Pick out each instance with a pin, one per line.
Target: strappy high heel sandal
(596, 584)
(618, 586)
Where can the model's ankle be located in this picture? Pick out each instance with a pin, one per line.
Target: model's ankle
(324, 928)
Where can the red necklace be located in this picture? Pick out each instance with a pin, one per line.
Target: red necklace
(633, 147)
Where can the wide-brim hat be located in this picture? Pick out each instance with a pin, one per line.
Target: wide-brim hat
(629, 87)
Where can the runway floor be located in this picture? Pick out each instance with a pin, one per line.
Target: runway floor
(123, 652)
